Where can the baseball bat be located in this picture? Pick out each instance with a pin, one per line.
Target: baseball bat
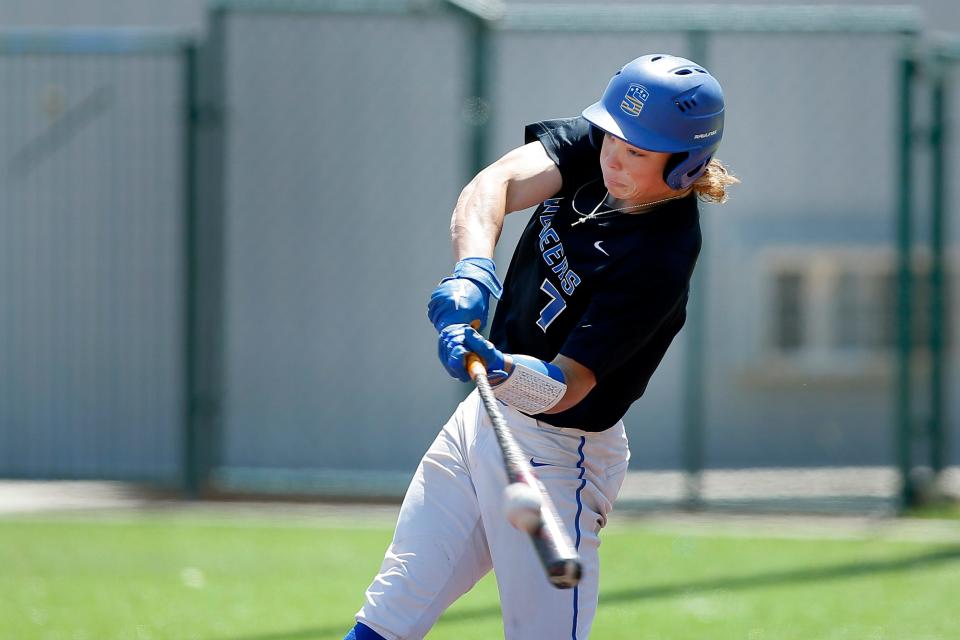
(556, 551)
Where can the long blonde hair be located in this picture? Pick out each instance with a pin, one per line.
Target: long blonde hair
(712, 185)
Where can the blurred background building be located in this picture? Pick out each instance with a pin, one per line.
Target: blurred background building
(245, 204)
(192, 14)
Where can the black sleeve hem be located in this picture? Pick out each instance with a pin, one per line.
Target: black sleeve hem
(538, 131)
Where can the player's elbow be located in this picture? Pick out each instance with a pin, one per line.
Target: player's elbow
(579, 380)
(528, 176)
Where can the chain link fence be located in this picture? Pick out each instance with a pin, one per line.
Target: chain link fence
(796, 297)
(261, 273)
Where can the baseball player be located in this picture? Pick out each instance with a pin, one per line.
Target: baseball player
(595, 293)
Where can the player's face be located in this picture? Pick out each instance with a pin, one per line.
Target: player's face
(632, 174)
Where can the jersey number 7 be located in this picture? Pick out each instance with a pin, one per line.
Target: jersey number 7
(553, 308)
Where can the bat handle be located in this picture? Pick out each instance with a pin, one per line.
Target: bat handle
(475, 366)
(474, 363)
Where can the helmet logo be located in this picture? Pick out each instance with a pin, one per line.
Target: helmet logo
(634, 100)
(701, 136)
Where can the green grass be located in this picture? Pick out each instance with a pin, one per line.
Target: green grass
(224, 578)
(945, 510)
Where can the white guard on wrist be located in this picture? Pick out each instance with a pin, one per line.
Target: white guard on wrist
(529, 391)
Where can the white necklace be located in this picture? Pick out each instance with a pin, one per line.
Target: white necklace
(596, 213)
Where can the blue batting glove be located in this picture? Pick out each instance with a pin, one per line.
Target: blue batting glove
(452, 352)
(456, 341)
(458, 301)
(464, 297)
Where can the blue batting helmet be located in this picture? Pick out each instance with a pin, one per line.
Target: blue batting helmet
(668, 104)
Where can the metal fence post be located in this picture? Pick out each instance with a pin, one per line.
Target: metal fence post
(696, 355)
(477, 107)
(205, 166)
(938, 289)
(191, 453)
(902, 387)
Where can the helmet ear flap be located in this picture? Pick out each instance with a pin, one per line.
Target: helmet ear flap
(687, 169)
(673, 162)
(596, 136)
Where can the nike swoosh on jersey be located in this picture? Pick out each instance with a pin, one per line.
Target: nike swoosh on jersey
(600, 249)
(534, 463)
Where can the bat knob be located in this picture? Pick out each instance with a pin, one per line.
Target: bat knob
(565, 574)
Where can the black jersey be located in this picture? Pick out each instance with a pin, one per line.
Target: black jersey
(609, 292)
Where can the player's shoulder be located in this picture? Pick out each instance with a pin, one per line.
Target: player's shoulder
(571, 131)
(569, 142)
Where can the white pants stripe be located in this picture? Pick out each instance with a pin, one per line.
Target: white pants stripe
(451, 530)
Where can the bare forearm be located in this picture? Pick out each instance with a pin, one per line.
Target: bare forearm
(478, 217)
(522, 178)
(579, 380)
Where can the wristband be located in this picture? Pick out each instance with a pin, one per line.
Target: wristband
(533, 386)
(483, 271)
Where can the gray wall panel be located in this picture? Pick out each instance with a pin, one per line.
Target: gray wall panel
(346, 155)
(90, 342)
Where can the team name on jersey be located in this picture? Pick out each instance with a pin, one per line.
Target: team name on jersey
(551, 249)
